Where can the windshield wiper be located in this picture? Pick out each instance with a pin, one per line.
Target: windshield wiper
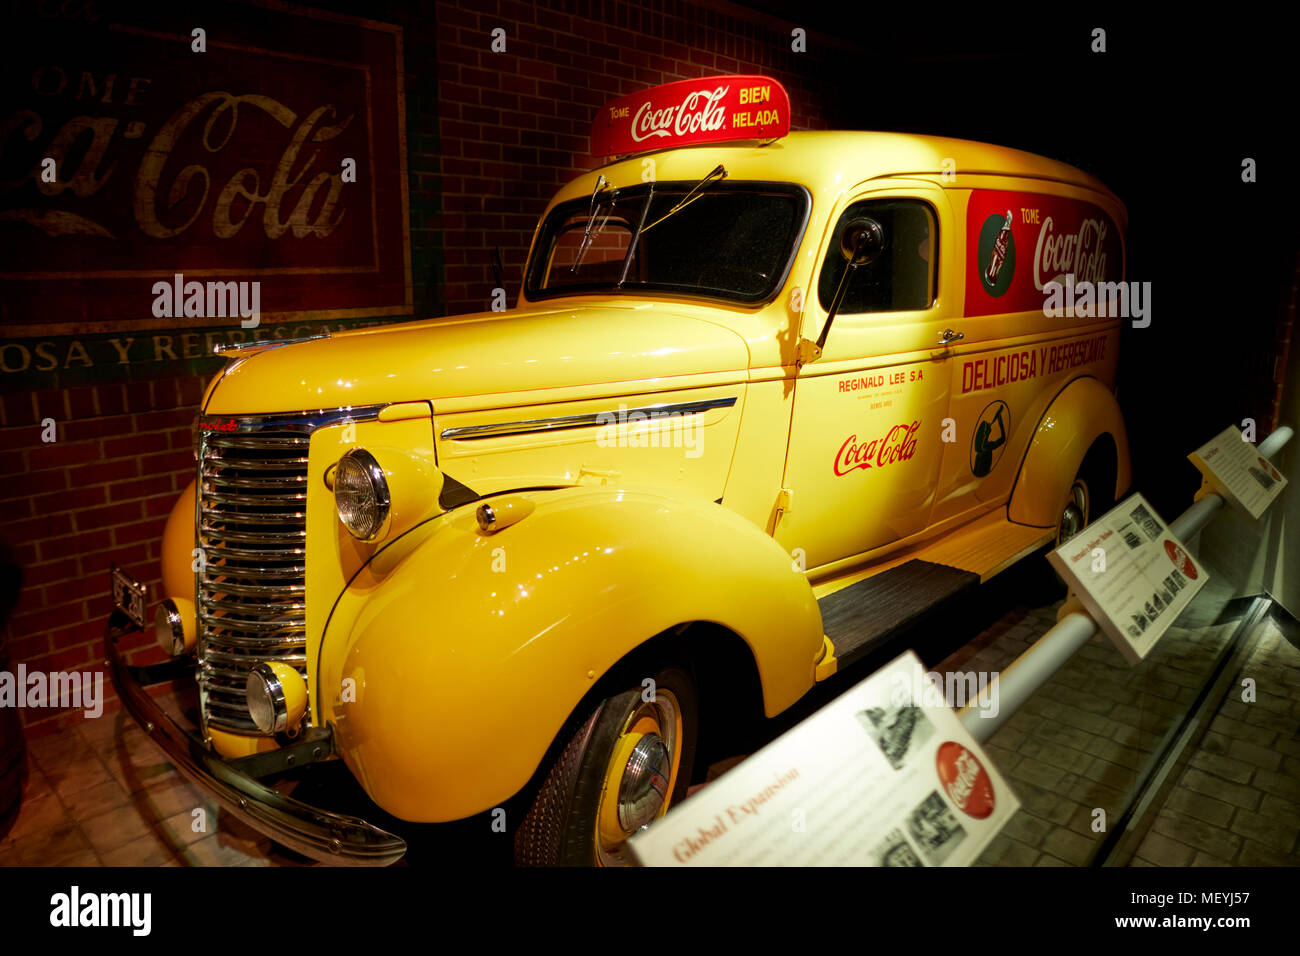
(591, 220)
(718, 171)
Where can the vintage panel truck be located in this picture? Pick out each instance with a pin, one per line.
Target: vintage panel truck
(765, 397)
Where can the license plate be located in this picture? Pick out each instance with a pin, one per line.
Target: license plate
(129, 595)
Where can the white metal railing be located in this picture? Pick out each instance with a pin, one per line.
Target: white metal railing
(1032, 669)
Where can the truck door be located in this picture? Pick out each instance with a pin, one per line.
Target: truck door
(865, 444)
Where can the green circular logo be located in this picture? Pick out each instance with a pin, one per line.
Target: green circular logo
(997, 254)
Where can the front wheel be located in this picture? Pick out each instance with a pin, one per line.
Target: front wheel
(626, 763)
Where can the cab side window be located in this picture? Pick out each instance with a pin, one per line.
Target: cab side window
(903, 276)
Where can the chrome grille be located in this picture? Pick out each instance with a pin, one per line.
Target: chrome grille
(252, 528)
(251, 519)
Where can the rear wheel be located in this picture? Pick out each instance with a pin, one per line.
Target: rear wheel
(626, 763)
(1075, 514)
(1091, 495)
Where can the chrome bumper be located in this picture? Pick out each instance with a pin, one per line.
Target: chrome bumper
(318, 834)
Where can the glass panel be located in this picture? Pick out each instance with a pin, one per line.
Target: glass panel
(901, 278)
(728, 241)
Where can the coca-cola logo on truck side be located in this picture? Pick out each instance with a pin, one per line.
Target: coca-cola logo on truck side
(965, 780)
(897, 444)
(1051, 236)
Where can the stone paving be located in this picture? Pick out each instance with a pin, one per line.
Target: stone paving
(1077, 746)
(1237, 803)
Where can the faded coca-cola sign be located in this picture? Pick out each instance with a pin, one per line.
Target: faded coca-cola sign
(965, 780)
(691, 112)
(897, 444)
(128, 156)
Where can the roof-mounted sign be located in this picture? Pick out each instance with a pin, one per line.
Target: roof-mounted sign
(712, 109)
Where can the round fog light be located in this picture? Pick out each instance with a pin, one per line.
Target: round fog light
(173, 626)
(277, 697)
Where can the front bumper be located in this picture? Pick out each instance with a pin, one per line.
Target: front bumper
(315, 833)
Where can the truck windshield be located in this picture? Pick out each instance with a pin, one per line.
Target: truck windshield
(733, 241)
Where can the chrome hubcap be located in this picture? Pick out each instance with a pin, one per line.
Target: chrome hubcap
(639, 777)
(1075, 516)
(644, 786)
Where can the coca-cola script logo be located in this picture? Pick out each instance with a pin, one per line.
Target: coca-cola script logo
(1180, 559)
(691, 112)
(1080, 253)
(701, 111)
(1018, 242)
(965, 780)
(898, 444)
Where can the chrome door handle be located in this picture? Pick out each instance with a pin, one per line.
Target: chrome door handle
(948, 336)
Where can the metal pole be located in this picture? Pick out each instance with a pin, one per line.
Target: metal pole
(1032, 669)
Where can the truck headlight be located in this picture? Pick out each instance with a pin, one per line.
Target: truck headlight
(361, 494)
(276, 696)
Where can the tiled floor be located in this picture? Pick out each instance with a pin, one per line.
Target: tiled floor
(102, 794)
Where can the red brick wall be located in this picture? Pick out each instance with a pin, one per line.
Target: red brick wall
(490, 137)
(515, 125)
(100, 492)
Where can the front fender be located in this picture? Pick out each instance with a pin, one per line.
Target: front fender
(1081, 413)
(178, 548)
(454, 657)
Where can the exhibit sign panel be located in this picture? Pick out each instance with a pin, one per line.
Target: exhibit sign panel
(1131, 573)
(885, 775)
(1234, 468)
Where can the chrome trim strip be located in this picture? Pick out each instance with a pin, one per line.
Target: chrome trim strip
(262, 345)
(581, 421)
(306, 421)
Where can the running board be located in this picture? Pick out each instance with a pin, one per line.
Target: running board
(884, 610)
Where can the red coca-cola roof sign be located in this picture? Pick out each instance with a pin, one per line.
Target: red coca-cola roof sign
(713, 109)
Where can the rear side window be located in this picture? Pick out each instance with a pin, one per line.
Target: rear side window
(903, 277)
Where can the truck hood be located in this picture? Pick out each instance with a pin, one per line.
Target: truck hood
(479, 354)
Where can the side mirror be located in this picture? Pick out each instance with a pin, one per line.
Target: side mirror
(863, 240)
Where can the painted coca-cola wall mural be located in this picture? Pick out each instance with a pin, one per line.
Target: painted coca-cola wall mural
(230, 174)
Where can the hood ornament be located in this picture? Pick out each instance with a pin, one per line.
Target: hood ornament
(252, 348)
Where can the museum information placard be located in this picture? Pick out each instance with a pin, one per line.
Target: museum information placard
(885, 775)
(1235, 469)
(1131, 573)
